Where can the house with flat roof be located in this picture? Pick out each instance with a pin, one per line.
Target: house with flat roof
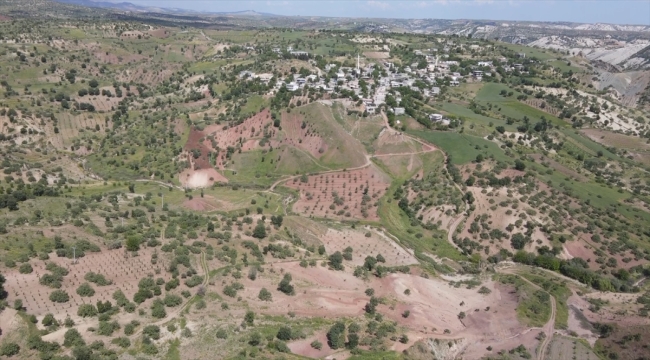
(399, 111)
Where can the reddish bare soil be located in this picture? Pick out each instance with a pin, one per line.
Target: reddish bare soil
(206, 203)
(490, 319)
(304, 138)
(373, 245)
(160, 33)
(196, 146)
(245, 135)
(318, 194)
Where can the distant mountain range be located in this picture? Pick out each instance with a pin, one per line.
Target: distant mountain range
(127, 6)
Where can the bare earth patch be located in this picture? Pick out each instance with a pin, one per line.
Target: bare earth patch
(341, 195)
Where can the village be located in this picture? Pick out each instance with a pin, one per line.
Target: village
(370, 81)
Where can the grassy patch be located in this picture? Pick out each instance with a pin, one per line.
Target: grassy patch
(534, 308)
(560, 292)
(173, 353)
(421, 240)
(462, 148)
(372, 355)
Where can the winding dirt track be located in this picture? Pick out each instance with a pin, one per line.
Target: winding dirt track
(549, 327)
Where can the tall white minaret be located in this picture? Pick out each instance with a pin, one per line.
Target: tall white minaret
(358, 70)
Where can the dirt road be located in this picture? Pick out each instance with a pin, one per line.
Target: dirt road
(549, 327)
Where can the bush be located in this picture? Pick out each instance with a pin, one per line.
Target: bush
(85, 290)
(98, 279)
(49, 320)
(129, 329)
(9, 349)
(72, 337)
(222, 334)
(281, 346)
(316, 344)
(265, 295)
(68, 322)
(336, 336)
(172, 300)
(172, 284)
(484, 290)
(25, 268)
(120, 298)
(200, 304)
(152, 331)
(285, 285)
(123, 342)
(59, 296)
(158, 309)
(284, 333)
(86, 310)
(249, 318)
(194, 281)
(107, 328)
(149, 349)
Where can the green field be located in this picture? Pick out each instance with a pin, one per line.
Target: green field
(462, 148)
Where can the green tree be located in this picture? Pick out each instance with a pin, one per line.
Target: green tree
(72, 337)
(249, 318)
(520, 165)
(518, 241)
(336, 336)
(336, 261)
(284, 333)
(132, 243)
(255, 339)
(260, 231)
(285, 285)
(265, 295)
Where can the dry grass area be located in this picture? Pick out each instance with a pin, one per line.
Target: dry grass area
(376, 55)
(366, 243)
(393, 142)
(494, 205)
(609, 138)
(341, 195)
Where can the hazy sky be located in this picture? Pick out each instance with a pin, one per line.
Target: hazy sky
(608, 11)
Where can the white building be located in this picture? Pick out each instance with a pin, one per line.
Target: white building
(399, 111)
(435, 117)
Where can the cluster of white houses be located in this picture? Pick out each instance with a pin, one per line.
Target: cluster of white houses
(426, 80)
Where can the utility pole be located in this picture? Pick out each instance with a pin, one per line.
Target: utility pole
(74, 254)
(163, 200)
